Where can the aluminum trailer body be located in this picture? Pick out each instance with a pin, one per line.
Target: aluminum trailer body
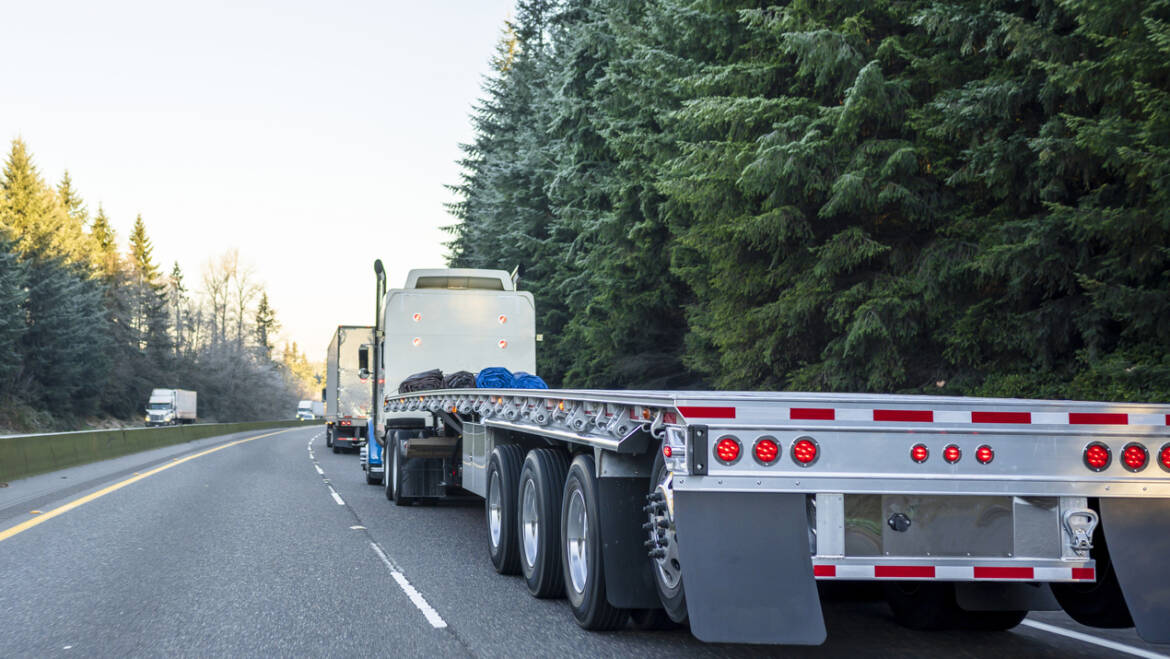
(348, 391)
(727, 507)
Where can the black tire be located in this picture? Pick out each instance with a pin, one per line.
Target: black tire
(396, 460)
(1099, 604)
(387, 465)
(371, 479)
(544, 471)
(336, 449)
(503, 477)
(651, 620)
(990, 621)
(673, 598)
(923, 605)
(329, 438)
(581, 537)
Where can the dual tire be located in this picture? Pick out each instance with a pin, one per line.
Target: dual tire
(392, 467)
(543, 522)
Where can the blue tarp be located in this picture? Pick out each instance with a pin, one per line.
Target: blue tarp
(498, 377)
(495, 377)
(528, 381)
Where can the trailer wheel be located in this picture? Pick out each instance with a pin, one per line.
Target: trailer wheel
(923, 605)
(542, 482)
(396, 444)
(503, 478)
(667, 571)
(1098, 604)
(651, 620)
(581, 551)
(389, 449)
(991, 621)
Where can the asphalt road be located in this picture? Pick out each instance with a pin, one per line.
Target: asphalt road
(276, 546)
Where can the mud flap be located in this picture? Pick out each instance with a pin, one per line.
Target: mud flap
(629, 583)
(1138, 534)
(746, 568)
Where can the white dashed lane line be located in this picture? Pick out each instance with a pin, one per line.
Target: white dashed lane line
(416, 597)
(1086, 638)
(411, 592)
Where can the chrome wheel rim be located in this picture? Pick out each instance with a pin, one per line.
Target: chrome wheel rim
(495, 509)
(577, 541)
(529, 522)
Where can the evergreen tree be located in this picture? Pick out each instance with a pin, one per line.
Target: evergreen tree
(13, 297)
(266, 327)
(149, 296)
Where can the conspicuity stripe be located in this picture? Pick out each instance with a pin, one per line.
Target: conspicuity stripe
(24, 526)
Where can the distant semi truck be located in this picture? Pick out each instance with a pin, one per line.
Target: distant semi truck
(310, 409)
(348, 392)
(168, 407)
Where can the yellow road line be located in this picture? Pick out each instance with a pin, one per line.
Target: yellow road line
(24, 526)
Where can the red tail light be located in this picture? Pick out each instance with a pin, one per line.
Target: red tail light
(767, 450)
(1164, 457)
(984, 454)
(1135, 457)
(1097, 456)
(919, 453)
(804, 451)
(666, 450)
(952, 454)
(727, 450)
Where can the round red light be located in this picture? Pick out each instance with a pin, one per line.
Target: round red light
(1097, 456)
(919, 453)
(727, 450)
(666, 451)
(416, 317)
(952, 454)
(984, 454)
(804, 451)
(1164, 457)
(503, 343)
(767, 451)
(1135, 457)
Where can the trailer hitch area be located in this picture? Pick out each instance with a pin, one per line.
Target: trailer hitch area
(1080, 523)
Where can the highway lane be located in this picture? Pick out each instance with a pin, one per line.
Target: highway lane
(237, 552)
(253, 550)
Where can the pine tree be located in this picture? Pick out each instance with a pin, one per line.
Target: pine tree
(266, 327)
(13, 297)
(149, 296)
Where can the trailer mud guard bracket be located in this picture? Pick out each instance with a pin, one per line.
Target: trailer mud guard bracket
(629, 583)
(747, 569)
(1138, 534)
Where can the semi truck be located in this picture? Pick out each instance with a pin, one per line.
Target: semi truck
(348, 389)
(310, 409)
(724, 509)
(168, 407)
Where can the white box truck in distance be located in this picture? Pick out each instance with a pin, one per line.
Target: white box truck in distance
(310, 409)
(348, 392)
(168, 407)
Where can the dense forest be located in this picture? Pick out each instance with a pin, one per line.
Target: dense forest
(86, 331)
(966, 198)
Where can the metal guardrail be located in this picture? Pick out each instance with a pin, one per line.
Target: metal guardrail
(28, 455)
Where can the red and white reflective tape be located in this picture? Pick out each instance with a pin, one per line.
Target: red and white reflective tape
(953, 572)
(977, 417)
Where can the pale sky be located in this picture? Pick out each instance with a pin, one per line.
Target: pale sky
(313, 136)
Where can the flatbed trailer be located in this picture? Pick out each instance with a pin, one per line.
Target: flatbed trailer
(724, 509)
